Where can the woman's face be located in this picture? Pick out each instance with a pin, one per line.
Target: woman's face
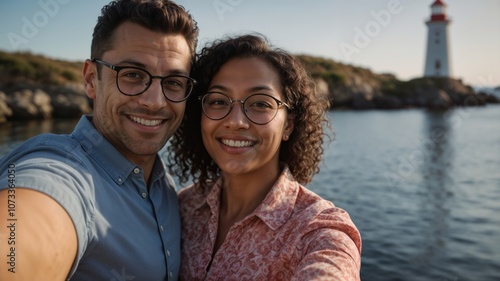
(235, 143)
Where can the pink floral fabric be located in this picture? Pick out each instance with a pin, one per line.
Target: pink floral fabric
(292, 235)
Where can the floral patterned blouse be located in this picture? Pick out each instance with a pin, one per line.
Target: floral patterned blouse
(292, 235)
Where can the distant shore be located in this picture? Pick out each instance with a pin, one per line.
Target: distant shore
(37, 87)
(27, 102)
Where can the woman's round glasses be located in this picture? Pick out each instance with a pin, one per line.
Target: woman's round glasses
(258, 108)
(133, 81)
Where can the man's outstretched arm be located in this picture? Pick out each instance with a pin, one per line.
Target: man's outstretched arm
(38, 240)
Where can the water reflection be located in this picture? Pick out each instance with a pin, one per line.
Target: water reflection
(440, 221)
(437, 187)
(15, 132)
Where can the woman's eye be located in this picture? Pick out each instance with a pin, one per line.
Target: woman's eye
(219, 102)
(261, 104)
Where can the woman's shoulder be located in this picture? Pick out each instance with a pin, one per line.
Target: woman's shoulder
(314, 208)
(194, 195)
(319, 214)
(190, 191)
(309, 200)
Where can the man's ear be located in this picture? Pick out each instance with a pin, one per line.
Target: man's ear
(90, 78)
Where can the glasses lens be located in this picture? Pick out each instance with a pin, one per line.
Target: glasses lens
(177, 88)
(132, 81)
(216, 106)
(260, 109)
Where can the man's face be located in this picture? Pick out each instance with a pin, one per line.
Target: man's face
(139, 126)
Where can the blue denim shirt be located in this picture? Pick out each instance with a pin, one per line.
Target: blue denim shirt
(125, 232)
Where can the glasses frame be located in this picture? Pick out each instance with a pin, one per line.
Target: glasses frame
(242, 103)
(151, 77)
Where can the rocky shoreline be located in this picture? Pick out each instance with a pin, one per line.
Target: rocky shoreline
(37, 87)
(27, 102)
(429, 93)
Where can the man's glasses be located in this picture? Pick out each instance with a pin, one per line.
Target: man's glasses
(133, 81)
(258, 108)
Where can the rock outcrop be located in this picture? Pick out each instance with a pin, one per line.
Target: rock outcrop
(431, 93)
(25, 102)
(5, 111)
(69, 101)
(353, 87)
(34, 87)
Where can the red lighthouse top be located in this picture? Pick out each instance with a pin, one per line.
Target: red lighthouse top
(438, 2)
(438, 11)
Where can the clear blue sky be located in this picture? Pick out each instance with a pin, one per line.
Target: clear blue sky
(63, 29)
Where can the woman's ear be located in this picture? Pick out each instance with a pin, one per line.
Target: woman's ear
(289, 125)
(89, 78)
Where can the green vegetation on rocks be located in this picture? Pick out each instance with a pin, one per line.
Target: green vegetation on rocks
(34, 86)
(27, 68)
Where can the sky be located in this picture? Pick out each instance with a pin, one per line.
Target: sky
(385, 36)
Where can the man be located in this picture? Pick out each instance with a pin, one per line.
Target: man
(98, 204)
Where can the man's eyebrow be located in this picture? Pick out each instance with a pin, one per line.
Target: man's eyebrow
(139, 64)
(132, 63)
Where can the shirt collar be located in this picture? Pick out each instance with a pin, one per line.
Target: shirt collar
(275, 209)
(279, 203)
(212, 198)
(97, 147)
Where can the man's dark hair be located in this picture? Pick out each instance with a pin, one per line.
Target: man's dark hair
(157, 15)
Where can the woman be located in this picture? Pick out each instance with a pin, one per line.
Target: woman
(248, 216)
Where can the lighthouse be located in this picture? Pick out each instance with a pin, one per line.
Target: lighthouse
(437, 62)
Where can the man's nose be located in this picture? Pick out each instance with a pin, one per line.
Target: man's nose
(153, 97)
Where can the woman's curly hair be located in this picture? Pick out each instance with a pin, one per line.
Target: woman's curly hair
(187, 157)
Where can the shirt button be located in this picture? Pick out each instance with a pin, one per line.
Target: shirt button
(161, 228)
(144, 195)
(137, 170)
(170, 274)
(168, 253)
(119, 179)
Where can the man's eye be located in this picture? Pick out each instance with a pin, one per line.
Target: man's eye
(174, 83)
(133, 75)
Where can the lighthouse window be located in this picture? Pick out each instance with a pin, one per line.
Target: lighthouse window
(438, 65)
(437, 10)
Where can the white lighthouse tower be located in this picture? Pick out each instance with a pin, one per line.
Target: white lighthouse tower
(437, 63)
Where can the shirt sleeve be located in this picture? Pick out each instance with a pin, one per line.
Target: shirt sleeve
(332, 249)
(63, 180)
